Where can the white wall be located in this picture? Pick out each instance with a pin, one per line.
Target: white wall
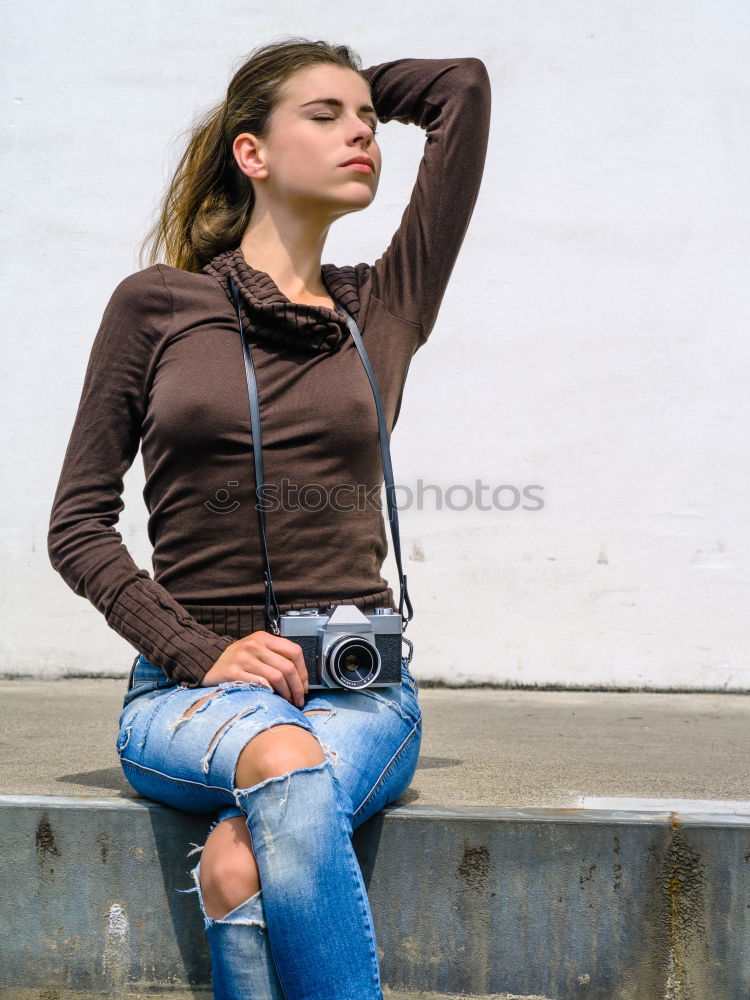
(605, 271)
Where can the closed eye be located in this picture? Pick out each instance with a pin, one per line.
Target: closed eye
(327, 118)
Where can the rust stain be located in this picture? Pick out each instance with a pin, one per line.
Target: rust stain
(683, 882)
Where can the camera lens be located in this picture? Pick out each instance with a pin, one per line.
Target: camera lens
(353, 661)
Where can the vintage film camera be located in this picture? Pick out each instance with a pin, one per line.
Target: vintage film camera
(345, 648)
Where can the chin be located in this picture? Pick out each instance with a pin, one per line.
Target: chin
(364, 198)
(346, 209)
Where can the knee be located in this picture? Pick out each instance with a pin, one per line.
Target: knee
(228, 871)
(276, 751)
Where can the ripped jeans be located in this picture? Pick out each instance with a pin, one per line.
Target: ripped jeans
(308, 933)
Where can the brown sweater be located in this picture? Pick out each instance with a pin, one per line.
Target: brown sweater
(166, 372)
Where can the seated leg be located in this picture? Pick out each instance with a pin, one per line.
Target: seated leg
(228, 872)
(299, 823)
(315, 902)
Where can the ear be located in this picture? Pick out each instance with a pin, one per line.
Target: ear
(249, 153)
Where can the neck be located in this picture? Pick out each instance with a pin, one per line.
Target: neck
(288, 248)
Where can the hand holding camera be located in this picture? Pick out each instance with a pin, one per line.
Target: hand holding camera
(266, 659)
(341, 648)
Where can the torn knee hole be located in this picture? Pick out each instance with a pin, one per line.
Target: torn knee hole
(317, 711)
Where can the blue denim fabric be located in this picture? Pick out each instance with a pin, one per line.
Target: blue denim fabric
(308, 933)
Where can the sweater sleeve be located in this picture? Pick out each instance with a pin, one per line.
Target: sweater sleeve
(82, 543)
(450, 99)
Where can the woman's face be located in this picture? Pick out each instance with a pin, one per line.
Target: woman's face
(324, 118)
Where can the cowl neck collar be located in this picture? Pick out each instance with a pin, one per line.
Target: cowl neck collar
(274, 318)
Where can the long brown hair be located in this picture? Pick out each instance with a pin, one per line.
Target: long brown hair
(209, 201)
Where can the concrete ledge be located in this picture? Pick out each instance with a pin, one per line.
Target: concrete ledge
(487, 879)
(527, 902)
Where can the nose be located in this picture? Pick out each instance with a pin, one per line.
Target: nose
(362, 131)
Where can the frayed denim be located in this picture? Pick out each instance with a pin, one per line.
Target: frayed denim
(242, 963)
(308, 934)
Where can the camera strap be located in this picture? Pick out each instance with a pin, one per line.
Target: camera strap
(272, 616)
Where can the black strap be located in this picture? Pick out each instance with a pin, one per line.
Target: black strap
(272, 620)
(385, 454)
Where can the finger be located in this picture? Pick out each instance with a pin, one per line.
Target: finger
(292, 651)
(287, 682)
(260, 652)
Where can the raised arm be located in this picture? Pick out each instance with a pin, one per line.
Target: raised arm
(82, 543)
(450, 99)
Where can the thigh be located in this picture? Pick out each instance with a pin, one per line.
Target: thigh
(372, 739)
(378, 765)
(180, 745)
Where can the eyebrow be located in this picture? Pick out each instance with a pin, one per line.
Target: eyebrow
(336, 103)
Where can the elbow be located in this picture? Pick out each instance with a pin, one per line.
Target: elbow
(53, 549)
(475, 69)
(57, 542)
(477, 75)
(476, 93)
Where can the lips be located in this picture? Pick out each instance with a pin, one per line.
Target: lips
(360, 161)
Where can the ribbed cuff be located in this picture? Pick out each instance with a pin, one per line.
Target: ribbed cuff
(158, 626)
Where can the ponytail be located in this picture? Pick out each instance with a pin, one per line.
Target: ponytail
(209, 201)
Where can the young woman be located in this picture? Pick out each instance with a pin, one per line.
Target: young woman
(218, 716)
